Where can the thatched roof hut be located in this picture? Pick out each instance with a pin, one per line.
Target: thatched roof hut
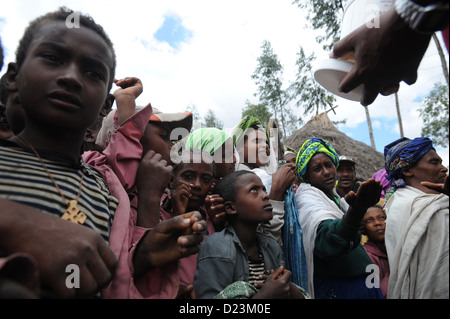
(368, 160)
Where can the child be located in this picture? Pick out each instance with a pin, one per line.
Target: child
(373, 225)
(238, 255)
(141, 141)
(255, 152)
(137, 147)
(190, 182)
(220, 146)
(252, 143)
(62, 88)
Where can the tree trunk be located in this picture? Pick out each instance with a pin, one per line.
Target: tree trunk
(400, 124)
(369, 123)
(442, 56)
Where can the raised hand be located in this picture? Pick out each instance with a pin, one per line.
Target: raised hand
(129, 90)
(216, 211)
(151, 181)
(368, 194)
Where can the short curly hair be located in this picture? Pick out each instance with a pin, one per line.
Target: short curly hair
(226, 187)
(62, 14)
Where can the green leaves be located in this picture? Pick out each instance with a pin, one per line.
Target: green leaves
(435, 115)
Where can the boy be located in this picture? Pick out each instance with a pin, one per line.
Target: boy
(239, 254)
(62, 87)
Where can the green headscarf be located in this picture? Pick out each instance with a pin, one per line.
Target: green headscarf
(208, 139)
(309, 149)
(247, 122)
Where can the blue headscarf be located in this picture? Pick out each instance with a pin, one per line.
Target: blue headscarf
(403, 154)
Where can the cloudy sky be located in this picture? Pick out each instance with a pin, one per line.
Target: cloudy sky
(203, 53)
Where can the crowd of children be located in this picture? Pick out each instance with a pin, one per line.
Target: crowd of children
(145, 208)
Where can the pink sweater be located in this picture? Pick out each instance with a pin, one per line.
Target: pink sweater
(380, 259)
(119, 164)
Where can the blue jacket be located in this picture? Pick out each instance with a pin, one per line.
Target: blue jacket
(222, 261)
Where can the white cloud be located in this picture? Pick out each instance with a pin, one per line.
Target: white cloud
(213, 69)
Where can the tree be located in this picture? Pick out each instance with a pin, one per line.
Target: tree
(212, 121)
(442, 57)
(435, 114)
(259, 111)
(268, 75)
(327, 15)
(305, 90)
(196, 119)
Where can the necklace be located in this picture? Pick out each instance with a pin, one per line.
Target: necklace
(72, 213)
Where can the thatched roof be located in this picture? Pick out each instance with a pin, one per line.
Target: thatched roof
(368, 160)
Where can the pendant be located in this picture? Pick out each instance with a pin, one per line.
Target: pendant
(72, 213)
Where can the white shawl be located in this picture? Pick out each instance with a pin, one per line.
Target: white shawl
(314, 207)
(417, 244)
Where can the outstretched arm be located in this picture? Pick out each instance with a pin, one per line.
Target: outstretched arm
(169, 241)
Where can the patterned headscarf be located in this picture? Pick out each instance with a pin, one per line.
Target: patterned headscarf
(403, 154)
(240, 131)
(208, 139)
(309, 148)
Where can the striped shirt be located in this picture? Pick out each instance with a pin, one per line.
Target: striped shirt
(24, 180)
(255, 269)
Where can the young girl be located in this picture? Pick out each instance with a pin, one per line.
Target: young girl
(373, 225)
(239, 257)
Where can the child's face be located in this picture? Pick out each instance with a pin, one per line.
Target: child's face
(199, 176)
(252, 201)
(374, 222)
(65, 76)
(256, 149)
(157, 138)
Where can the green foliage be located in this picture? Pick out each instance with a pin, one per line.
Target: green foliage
(305, 90)
(196, 119)
(212, 121)
(324, 14)
(435, 114)
(259, 111)
(268, 78)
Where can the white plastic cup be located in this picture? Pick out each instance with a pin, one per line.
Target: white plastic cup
(330, 72)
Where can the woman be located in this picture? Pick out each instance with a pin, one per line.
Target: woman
(336, 260)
